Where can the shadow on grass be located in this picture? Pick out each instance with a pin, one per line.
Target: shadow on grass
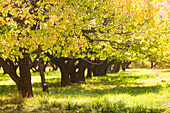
(103, 80)
(8, 90)
(12, 90)
(119, 79)
(136, 90)
(11, 105)
(117, 90)
(122, 85)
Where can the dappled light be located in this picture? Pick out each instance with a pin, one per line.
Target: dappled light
(85, 56)
(123, 90)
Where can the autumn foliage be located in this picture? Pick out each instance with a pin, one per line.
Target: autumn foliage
(119, 29)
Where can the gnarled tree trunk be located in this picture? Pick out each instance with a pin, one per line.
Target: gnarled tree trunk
(81, 69)
(24, 81)
(100, 70)
(73, 73)
(13, 64)
(64, 68)
(63, 64)
(25, 86)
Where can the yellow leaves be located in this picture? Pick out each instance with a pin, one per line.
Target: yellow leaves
(43, 26)
(67, 18)
(27, 22)
(63, 26)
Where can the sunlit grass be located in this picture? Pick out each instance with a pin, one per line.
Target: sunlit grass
(135, 90)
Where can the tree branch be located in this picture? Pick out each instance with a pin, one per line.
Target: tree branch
(8, 69)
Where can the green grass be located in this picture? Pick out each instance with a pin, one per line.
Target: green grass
(134, 91)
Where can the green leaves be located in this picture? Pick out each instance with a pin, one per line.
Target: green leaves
(128, 26)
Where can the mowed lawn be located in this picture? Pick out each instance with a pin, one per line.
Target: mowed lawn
(134, 91)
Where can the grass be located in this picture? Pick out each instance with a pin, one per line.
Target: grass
(132, 91)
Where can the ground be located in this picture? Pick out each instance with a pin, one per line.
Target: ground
(135, 90)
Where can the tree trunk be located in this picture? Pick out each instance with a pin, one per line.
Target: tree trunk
(40, 68)
(116, 67)
(124, 64)
(151, 64)
(33, 66)
(109, 67)
(63, 64)
(25, 86)
(81, 73)
(74, 76)
(100, 70)
(89, 71)
(65, 79)
(109, 70)
(24, 81)
(73, 73)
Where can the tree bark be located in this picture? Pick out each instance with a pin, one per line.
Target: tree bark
(25, 86)
(109, 68)
(41, 69)
(100, 70)
(44, 65)
(116, 67)
(74, 76)
(73, 73)
(124, 64)
(63, 64)
(24, 81)
(8, 69)
(82, 65)
(13, 64)
(81, 73)
(65, 79)
(89, 71)
(44, 84)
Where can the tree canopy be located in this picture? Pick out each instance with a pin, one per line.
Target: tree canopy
(124, 29)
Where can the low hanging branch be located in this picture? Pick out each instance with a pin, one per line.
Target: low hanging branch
(111, 42)
(8, 69)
